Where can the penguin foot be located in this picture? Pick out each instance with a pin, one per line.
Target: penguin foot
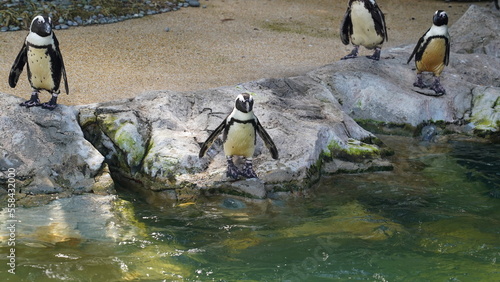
(52, 104)
(375, 56)
(420, 82)
(437, 87)
(232, 171)
(352, 55)
(32, 102)
(49, 106)
(248, 171)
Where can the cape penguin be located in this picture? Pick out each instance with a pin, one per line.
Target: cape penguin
(432, 52)
(239, 137)
(363, 24)
(45, 66)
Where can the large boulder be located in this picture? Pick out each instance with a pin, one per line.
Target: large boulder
(47, 154)
(155, 138)
(477, 32)
(383, 91)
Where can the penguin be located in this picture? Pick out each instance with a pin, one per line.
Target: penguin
(432, 52)
(363, 24)
(239, 130)
(44, 63)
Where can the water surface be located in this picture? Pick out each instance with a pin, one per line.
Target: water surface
(436, 217)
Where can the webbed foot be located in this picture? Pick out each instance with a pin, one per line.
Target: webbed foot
(437, 87)
(232, 170)
(352, 55)
(52, 104)
(376, 55)
(248, 171)
(34, 101)
(419, 83)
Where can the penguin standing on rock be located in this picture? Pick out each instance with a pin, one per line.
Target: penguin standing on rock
(45, 65)
(432, 52)
(363, 24)
(239, 138)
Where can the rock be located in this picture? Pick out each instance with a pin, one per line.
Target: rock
(382, 91)
(429, 133)
(193, 3)
(76, 219)
(476, 32)
(47, 150)
(485, 115)
(234, 204)
(155, 138)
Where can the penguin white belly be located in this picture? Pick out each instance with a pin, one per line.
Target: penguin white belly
(433, 57)
(40, 68)
(363, 27)
(240, 140)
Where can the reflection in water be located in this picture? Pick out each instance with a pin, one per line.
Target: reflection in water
(435, 217)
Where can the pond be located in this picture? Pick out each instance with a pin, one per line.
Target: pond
(435, 217)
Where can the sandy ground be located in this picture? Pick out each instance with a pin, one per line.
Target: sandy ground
(229, 42)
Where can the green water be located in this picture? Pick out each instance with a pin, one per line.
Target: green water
(436, 217)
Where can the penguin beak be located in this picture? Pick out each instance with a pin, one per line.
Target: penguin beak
(247, 106)
(47, 28)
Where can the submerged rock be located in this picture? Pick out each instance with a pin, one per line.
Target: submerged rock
(76, 219)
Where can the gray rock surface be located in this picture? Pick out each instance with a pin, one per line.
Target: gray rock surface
(477, 32)
(155, 138)
(48, 152)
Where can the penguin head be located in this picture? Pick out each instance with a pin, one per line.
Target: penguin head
(440, 18)
(41, 25)
(244, 103)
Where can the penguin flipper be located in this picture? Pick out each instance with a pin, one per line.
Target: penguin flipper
(63, 69)
(447, 54)
(17, 67)
(211, 139)
(346, 27)
(379, 20)
(419, 43)
(267, 139)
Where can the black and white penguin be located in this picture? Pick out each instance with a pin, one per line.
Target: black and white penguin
(239, 137)
(432, 52)
(45, 64)
(363, 24)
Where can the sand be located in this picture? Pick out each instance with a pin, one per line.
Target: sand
(226, 43)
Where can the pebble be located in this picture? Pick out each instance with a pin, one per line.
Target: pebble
(193, 3)
(96, 18)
